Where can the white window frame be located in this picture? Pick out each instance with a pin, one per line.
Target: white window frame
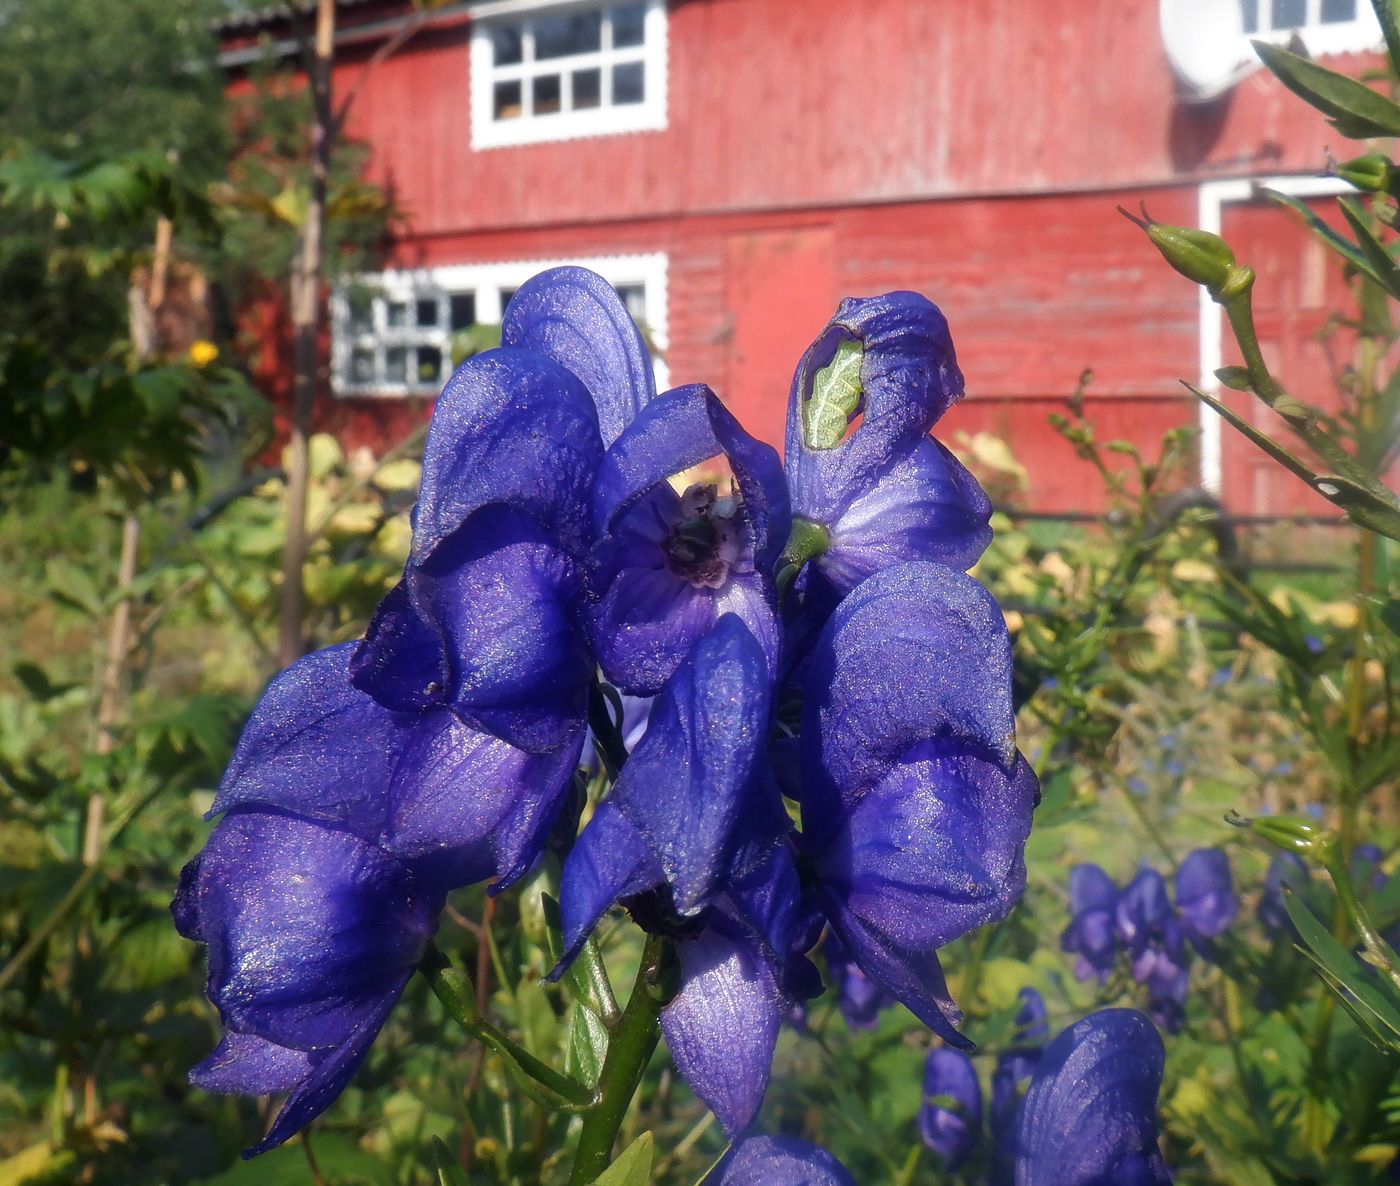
(1338, 37)
(647, 116)
(487, 282)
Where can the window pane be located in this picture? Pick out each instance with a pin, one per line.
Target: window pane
(629, 24)
(1338, 10)
(362, 365)
(544, 94)
(462, 310)
(396, 315)
(427, 312)
(506, 294)
(1289, 14)
(588, 88)
(634, 296)
(429, 364)
(1249, 11)
(561, 35)
(361, 313)
(396, 364)
(628, 83)
(507, 100)
(505, 44)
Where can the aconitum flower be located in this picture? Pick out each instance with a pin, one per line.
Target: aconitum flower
(1153, 936)
(312, 935)
(1090, 1115)
(915, 802)
(667, 566)
(1205, 896)
(1091, 935)
(1014, 1067)
(860, 464)
(779, 1161)
(859, 998)
(690, 841)
(951, 1115)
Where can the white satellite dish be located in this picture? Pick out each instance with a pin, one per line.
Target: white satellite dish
(1206, 45)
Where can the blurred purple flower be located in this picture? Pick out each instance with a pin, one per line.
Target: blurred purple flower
(951, 1115)
(1153, 935)
(779, 1161)
(1091, 935)
(860, 999)
(1285, 869)
(1205, 896)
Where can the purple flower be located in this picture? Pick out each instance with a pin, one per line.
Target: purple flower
(1091, 935)
(951, 1114)
(691, 842)
(1090, 1116)
(1205, 895)
(1286, 869)
(1149, 928)
(884, 491)
(860, 999)
(916, 804)
(667, 566)
(1014, 1067)
(312, 934)
(779, 1161)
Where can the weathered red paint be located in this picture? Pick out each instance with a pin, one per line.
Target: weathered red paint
(823, 148)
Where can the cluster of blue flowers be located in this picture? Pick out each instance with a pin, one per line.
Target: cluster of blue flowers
(1140, 921)
(1080, 1111)
(802, 639)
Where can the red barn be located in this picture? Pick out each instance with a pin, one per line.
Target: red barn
(735, 167)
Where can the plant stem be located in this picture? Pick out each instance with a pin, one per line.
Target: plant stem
(629, 1051)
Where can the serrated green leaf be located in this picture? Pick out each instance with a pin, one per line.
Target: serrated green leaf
(633, 1166)
(1356, 110)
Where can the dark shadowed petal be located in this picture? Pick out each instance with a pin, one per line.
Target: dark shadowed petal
(916, 652)
(723, 1024)
(685, 787)
(402, 661)
(925, 506)
(937, 848)
(769, 900)
(609, 861)
(243, 1064)
(1205, 894)
(913, 977)
(1090, 1116)
(682, 428)
(951, 1115)
(908, 377)
(576, 318)
(311, 931)
(317, 747)
(780, 1161)
(645, 624)
(477, 801)
(1090, 888)
(512, 427)
(504, 606)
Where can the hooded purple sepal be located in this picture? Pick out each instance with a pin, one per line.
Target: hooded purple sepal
(576, 318)
(312, 934)
(317, 747)
(779, 1161)
(1092, 935)
(489, 625)
(1090, 1116)
(951, 1116)
(1205, 895)
(511, 427)
(668, 566)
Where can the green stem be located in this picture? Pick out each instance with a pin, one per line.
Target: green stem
(457, 995)
(629, 1051)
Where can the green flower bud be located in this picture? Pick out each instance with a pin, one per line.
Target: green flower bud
(1286, 832)
(1202, 257)
(1372, 172)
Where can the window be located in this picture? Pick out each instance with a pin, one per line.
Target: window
(554, 72)
(391, 333)
(1326, 26)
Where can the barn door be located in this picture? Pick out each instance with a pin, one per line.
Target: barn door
(1299, 282)
(780, 290)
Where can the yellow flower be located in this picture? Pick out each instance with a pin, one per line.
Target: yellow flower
(202, 353)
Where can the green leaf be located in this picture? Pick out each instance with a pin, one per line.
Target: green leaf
(341, 1161)
(586, 979)
(73, 587)
(35, 680)
(1329, 236)
(1357, 111)
(1388, 14)
(449, 1170)
(632, 1168)
(1382, 267)
(1390, 615)
(587, 1045)
(835, 399)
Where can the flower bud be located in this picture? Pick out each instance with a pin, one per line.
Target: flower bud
(1372, 172)
(1286, 832)
(1202, 257)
